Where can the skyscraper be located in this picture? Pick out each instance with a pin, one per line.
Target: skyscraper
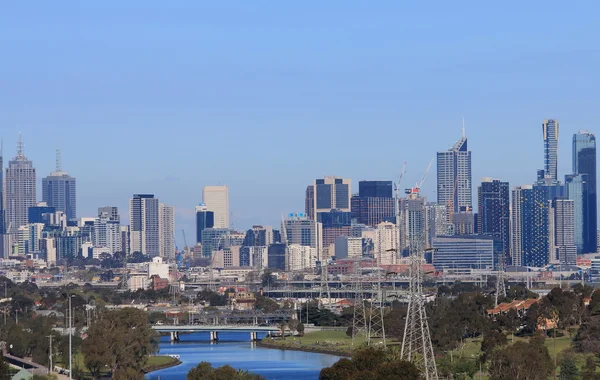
(550, 134)
(331, 193)
(454, 177)
(20, 190)
(2, 216)
(374, 203)
(529, 228)
(166, 231)
(144, 224)
(493, 198)
(563, 218)
(216, 198)
(576, 188)
(309, 202)
(584, 163)
(204, 219)
(412, 222)
(59, 191)
(107, 233)
(375, 189)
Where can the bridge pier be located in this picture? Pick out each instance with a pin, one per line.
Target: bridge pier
(253, 337)
(174, 336)
(214, 336)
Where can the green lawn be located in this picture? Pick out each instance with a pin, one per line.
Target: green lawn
(334, 339)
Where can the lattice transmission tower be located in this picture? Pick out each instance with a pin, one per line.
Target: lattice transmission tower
(360, 326)
(376, 332)
(500, 285)
(416, 344)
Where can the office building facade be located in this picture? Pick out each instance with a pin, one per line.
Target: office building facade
(493, 199)
(332, 193)
(373, 210)
(465, 252)
(436, 222)
(576, 189)
(204, 219)
(59, 190)
(216, 199)
(375, 189)
(584, 163)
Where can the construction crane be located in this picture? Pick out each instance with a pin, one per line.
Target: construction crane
(397, 193)
(185, 247)
(417, 188)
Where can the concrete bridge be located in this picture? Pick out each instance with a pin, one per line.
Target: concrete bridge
(213, 330)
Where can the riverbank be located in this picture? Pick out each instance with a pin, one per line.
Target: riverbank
(297, 346)
(156, 363)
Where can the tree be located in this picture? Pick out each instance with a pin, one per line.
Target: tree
(522, 360)
(371, 363)
(300, 329)
(205, 371)
(267, 279)
(119, 339)
(4, 370)
(589, 370)
(265, 304)
(568, 370)
(491, 340)
(587, 339)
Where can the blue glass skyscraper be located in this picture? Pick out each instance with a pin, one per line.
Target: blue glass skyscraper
(530, 229)
(584, 163)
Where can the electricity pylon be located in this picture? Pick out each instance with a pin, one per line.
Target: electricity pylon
(500, 286)
(359, 320)
(376, 325)
(416, 344)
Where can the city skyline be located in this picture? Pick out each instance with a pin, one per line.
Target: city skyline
(185, 217)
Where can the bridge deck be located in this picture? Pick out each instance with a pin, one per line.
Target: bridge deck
(218, 328)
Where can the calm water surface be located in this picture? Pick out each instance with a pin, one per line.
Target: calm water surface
(231, 349)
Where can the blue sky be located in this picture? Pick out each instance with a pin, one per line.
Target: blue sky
(265, 96)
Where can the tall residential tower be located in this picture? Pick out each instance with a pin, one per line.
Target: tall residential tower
(216, 198)
(550, 134)
(454, 177)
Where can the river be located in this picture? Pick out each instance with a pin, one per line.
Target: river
(235, 349)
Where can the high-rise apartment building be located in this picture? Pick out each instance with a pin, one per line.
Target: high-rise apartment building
(107, 233)
(454, 177)
(436, 222)
(204, 219)
(166, 231)
(563, 218)
(493, 199)
(259, 236)
(529, 228)
(20, 190)
(331, 193)
(216, 198)
(59, 190)
(297, 229)
(412, 222)
(550, 135)
(2, 214)
(144, 224)
(111, 211)
(584, 163)
(576, 188)
(374, 203)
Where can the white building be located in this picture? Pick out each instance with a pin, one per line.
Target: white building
(157, 267)
(227, 257)
(107, 233)
(259, 257)
(166, 233)
(300, 257)
(97, 251)
(49, 246)
(385, 243)
(216, 198)
(137, 281)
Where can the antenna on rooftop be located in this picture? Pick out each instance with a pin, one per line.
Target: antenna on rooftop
(463, 127)
(20, 146)
(58, 161)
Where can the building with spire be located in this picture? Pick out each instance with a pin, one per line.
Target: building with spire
(20, 190)
(454, 177)
(59, 190)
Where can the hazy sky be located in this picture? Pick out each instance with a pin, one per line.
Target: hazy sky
(265, 96)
